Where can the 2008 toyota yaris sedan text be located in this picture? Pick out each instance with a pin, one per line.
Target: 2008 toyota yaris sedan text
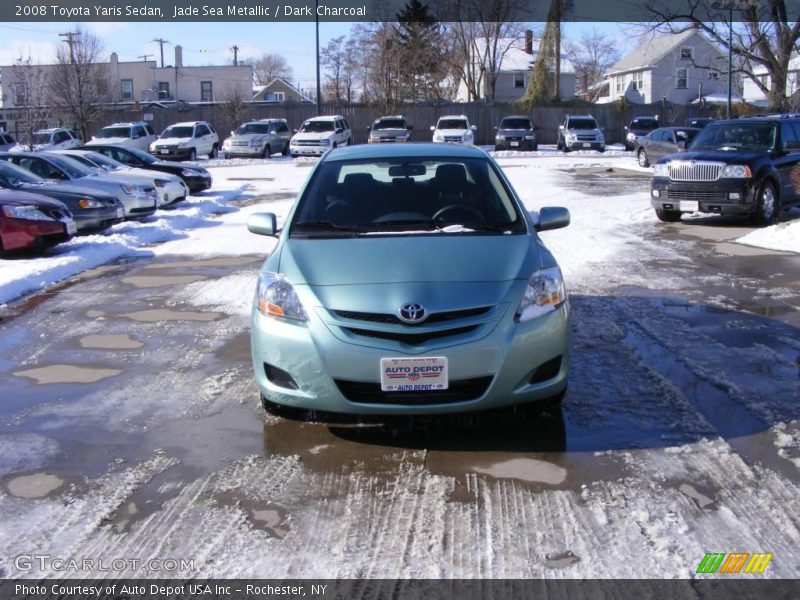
(408, 280)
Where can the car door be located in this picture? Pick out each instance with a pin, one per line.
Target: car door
(284, 134)
(205, 142)
(787, 162)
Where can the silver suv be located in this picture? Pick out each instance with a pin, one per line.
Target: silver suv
(258, 138)
(580, 132)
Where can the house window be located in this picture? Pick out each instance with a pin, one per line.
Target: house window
(163, 90)
(713, 74)
(764, 79)
(519, 79)
(206, 94)
(126, 85)
(680, 79)
(19, 95)
(619, 83)
(687, 53)
(637, 81)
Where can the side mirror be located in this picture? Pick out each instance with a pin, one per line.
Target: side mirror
(496, 128)
(550, 217)
(433, 127)
(262, 224)
(474, 128)
(232, 133)
(367, 129)
(294, 130)
(561, 127)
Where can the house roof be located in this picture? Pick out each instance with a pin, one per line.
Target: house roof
(516, 59)
(260, 90)
(652, 49)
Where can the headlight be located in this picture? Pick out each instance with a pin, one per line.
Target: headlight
(631, 137)
(736, 172)
(438, 137)
(183, 145)
(134, 190)
(499, 137)
(276, 297)
(530, 137)
(28, 213)
(159, 183)
(571, 137)
(545, 293)
(661, 170)
(189, 173)
(90, 203)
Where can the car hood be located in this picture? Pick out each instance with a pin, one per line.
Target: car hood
(389, 132)
(734, 157)
(148, 174)
(67, 187)
(452, 131)
(246, 137)
(515, 132)
(111, 140)
(172, 141)
(27, 198)
(322, 135)
(584, 131)
(409, 258)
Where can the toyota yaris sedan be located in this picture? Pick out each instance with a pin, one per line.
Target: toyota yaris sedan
(409, 279)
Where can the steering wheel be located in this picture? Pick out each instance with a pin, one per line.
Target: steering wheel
(459, 213)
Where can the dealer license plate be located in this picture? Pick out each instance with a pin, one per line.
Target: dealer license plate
(414, 374)
(163, 151)
(72, 228)
(690, 205)
(585, 145)
(514, 144)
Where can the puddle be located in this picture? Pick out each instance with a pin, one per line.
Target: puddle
(231, 261)
(148, 281)
(163, 314)
(38, 485)
(67, 374)
(110, 342)
(525, 469)
(560, 560)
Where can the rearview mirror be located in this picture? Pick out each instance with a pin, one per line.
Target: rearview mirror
(551, 217)
(262, 224)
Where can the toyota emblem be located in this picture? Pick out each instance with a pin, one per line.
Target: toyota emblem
(412, 313)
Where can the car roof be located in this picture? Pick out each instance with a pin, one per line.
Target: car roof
(679, 128)
(425, 149)
(453, 117)
(186, 124)
(325, 118)
(52, 130)
(580, 116)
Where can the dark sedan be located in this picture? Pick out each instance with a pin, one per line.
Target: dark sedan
(516, 133)
(195, 177)
(32, 221)
(664, 141)
(91, 209)
(639, 127)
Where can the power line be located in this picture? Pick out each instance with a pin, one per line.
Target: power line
(144, 57)
(161, 43)
(68, 39)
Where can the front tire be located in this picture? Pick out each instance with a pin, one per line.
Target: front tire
(668, 216)
(266, 152)
(644, 161)
(214, 152)
(768, 206)
(192, 154)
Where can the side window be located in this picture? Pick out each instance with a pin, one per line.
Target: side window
(200, 131)
(60, 136)
(346, 124)
(148, 130)
(138, 131)
(122, 157)
(282, 127)
(789, 137)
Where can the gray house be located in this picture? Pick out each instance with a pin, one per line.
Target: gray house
(279, 90)
(679, 67)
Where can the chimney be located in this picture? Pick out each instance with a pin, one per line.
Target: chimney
(114, 58)
(179, 56)
(529, 41)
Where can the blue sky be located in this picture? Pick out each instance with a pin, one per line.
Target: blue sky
(209, 43)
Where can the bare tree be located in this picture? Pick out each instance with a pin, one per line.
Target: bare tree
(592, 56)
(29, 89)
(380, 63)
(270, 67)
(333, 58)
(79, 84)
(764, 37)
(234, 104)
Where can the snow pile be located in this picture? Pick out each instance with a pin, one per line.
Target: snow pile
(783, 236)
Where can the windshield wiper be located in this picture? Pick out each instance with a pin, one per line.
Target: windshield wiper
(322, 225)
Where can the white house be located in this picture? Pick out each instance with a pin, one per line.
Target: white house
(677, 67)
(753, 94)
(514, 69)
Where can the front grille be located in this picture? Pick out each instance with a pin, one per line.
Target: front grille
(412, 339)
(510, 138)
(395, 320)
(586, 138)
(453, 138)
(697, 195)
(240, 143)
(685, 170)
(311, 142)
(462, 390)
(388, 139)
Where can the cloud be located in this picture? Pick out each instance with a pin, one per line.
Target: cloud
(39, 52)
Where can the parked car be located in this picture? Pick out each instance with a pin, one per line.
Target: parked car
(580, 132)
(57, 138)
(454, 129)
(663, 141)
(169, 188)
(391, 129)
(516, 132)
(258, 138)
(738, 167)
(698, 122)
(318, 134)
(7, 141)
(91, 209)
(187, 141)
(136, 135)
(194, 176)
(32, 221)
(138, 199)
(639, 127)
(473, 313)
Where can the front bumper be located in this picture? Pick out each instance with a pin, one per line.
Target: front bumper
(139, 207)
(20, 234)
(344, 376)
(174, 191)
(586, 145)
(243, 151)
(307, 150)
(94, 219)
(172, 153)
(514, 144)
(710, 197)
(197, 183)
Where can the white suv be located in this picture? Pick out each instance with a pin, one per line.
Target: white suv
(186, 141)
(454, 129)
(132, 135)
(57, 138)
(317, 134)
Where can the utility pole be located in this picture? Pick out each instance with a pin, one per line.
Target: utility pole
(319, 87)
(235, 55)
(144, 57)
(161, 43)
(68, 39)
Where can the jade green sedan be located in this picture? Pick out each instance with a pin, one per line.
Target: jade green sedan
(409, 279)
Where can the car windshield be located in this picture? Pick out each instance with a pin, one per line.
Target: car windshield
(389, 124)
(248, 128)
(178, 132)
(733, 135)
(143, 156)
(103, 161)
(515, 124)
(452, 124)
(40, 139)
(85, 162)
(316, 126)
(17, 175)
(407, 196)
(114, 132)
(70, 166)
(644, 124)
(582, 124)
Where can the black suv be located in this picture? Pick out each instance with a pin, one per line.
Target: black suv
(516, 133)
(737, 167)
